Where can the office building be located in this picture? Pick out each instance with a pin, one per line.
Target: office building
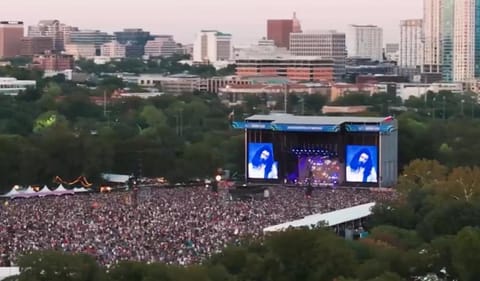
(212, 46)
(52, 28)
(279, 31)
(11, 34)
(446, 41)
(465, 47)
(161, 46)
(365, 41)
(12, 87)
(78, 51)
(113, 50)
(296, 68)
(36, 45)
(134, 39)
(431, 32)
(90, 37)
(326, 44)
(53, 62)
(411, 46)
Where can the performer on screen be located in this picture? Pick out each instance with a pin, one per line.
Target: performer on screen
(262, 164)
(361, 168)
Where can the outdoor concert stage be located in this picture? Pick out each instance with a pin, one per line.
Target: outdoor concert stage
(320, 150)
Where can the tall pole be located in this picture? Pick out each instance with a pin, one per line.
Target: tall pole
(461, 106)
(104, 103)
(444, 107)
(285, 98)
(434, 109)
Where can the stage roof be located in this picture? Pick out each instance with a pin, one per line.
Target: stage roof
(314, 120)
(331, 219)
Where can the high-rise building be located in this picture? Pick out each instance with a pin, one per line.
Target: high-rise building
(134, 39)
(365, 41)
(447, 16)
(411, 47)
(279, 31)
(161, 46)
(59, 32)
(11, 34)
(212, 46)
(36, 45)
(113, 50)
(464, 40)
(326, 44)
(431, 31)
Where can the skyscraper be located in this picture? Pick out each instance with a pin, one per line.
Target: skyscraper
(11, 34)
(326, 44)
(446, 41)
(365, 41)
(411, 47)
(212, 46)
(431, 32)
(464, 40)
(279, 31)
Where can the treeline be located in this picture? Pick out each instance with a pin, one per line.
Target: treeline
(54, 134)
(430, 233)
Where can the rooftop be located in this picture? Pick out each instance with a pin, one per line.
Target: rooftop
(282, 118)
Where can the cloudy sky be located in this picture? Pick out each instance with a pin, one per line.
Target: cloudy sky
(245, 19)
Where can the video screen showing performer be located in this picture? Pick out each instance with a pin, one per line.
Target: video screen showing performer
(318, 170)
(361, 164)
(261, 161)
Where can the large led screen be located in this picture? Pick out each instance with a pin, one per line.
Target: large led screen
(361, 164)
(261, 161)
(318, 169)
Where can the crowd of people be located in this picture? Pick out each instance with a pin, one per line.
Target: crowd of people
(175, 226)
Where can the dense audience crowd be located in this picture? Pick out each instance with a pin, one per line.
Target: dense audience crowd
(180, 226)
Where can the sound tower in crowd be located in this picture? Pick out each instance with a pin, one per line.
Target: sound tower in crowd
(321, 150)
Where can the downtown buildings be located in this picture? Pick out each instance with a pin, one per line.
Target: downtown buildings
(279, 30)
(365, 41)
(452, 39)
(411, 46)
(212, 46)
(326, 44)
(11, 34)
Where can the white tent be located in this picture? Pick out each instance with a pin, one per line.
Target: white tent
(30, 192)
(11, 193)
(62, 190)
(80, 189)
(331, 219)
(45, 191)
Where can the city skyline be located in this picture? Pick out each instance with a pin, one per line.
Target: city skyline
(246, 22)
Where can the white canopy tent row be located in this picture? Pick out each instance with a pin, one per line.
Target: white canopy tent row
(330, 219)
(45, 191)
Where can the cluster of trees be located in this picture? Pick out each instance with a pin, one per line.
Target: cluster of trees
(430, 233)
(171, 65)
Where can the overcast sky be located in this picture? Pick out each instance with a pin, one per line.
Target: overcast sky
(245, 19)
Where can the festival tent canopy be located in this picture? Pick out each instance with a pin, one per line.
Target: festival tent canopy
(45, 191)
(29, 192)
(11, 193)
(62, 190)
